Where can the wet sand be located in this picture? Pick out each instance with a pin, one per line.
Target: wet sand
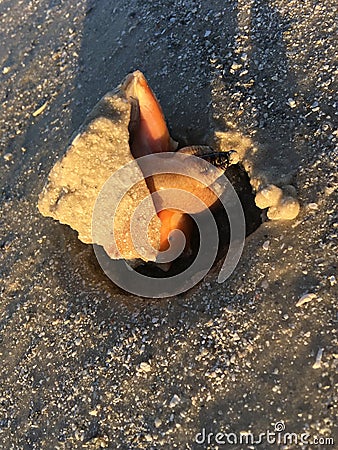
(85, 365)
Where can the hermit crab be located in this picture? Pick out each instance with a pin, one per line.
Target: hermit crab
(128, 125)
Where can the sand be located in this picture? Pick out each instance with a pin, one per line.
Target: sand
(85, 365)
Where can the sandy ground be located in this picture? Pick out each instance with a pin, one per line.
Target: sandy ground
(84, 365)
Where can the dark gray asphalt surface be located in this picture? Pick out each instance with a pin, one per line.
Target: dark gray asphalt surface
(231, 358)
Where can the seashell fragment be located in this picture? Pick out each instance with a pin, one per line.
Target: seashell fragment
(100, 149)
(306, 298)
(318, 362)
(125, 125)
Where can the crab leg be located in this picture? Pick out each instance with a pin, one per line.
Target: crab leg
(222, 160)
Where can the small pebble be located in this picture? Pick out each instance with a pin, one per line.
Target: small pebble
(270, 195)
(79, 435)
(235, 67)
(157, 422)
(148, 438)
(207, 33)
(291, 103)
(266, 245)
(145, 367)
(332, 280)
(287, 209)
(174, 401)
(8, 156)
